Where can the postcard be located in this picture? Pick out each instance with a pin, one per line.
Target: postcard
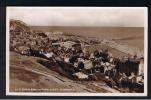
(76, 51)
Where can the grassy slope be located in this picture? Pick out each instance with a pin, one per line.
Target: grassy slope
(26, 73)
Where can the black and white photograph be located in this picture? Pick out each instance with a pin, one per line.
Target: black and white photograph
(76, 51)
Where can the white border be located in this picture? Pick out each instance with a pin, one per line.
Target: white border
(81, 94)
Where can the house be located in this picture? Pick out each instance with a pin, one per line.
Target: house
(67, 44)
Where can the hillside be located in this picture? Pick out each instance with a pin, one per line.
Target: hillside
(19, 26)
(27, 74)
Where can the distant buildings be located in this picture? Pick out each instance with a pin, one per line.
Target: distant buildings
(67, 44)
(50, 33)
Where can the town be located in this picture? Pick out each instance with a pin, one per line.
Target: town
(72, 56)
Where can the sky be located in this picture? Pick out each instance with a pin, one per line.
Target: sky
(79, 16)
